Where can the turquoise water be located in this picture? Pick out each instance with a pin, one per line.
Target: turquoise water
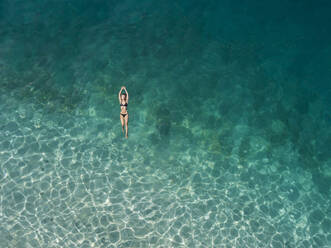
(229, 124)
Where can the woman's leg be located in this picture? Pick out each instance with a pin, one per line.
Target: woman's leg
(126, 125)
(122, 122)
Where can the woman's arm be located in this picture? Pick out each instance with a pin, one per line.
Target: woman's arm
(119, 94)
(127, 95)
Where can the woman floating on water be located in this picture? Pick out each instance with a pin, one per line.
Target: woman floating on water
(124, 116)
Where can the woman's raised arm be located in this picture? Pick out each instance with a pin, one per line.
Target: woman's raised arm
(119, 94)
(127, 95)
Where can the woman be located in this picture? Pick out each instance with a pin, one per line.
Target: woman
(124, 115)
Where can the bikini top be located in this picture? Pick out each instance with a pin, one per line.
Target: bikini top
(126, 104)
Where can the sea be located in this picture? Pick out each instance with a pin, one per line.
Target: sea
(229, 124)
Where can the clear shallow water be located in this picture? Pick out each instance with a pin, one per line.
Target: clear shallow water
(229, 129)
